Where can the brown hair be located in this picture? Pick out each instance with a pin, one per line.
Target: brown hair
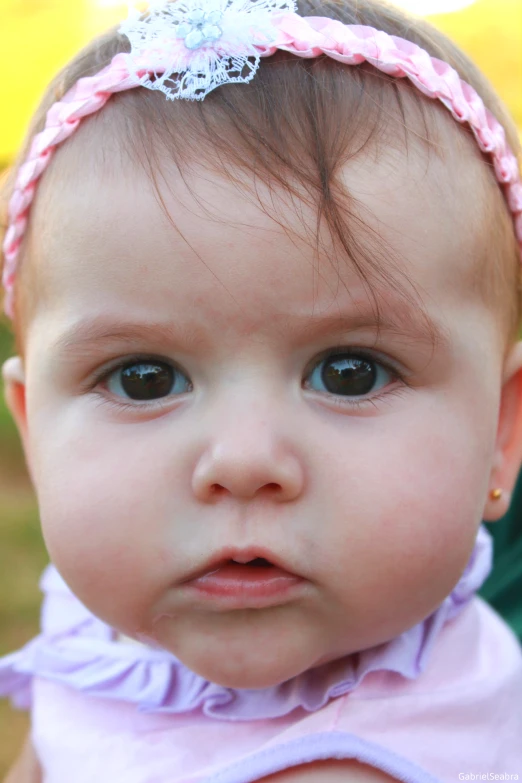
(294, 126)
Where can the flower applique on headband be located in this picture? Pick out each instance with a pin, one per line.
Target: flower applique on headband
(194, 46)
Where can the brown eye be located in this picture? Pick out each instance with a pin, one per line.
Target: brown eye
(144, 381)
(350, 375)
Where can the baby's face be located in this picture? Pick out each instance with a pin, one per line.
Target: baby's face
(259, 409)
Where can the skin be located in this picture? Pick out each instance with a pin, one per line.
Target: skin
(374, 501)
(27, 767)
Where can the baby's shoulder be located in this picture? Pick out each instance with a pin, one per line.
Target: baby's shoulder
(330, 771)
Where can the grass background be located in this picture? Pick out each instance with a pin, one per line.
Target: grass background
(22, 559)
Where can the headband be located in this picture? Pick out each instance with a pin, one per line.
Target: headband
(187, 48)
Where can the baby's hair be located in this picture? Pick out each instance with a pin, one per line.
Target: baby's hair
(292, 128)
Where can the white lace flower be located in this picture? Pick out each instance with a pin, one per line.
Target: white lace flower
(200, 28)
(188, 48)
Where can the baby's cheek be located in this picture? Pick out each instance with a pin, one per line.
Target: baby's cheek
(414, 506)
(100, 518)
(428, 514)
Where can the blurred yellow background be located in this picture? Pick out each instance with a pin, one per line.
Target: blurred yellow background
(37, 37)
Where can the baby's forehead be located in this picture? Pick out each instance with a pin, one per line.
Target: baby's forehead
(106, 186)
(420, 143)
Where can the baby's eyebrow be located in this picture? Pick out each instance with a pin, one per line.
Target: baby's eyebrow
(411, 323)
(90, 335)
(93, 334)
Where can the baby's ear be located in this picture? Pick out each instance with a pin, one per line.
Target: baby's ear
(13, 374)
(508, 449)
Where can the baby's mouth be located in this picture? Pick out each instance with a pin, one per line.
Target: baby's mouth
(257, 562)
(250, 560)
(240, 581)
(253, 570)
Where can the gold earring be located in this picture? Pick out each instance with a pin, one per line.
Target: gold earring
(495, 494)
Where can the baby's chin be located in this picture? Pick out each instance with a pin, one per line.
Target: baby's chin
(244, 660)
(253, 673)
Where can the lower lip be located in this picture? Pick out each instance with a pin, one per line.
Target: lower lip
(246, 587)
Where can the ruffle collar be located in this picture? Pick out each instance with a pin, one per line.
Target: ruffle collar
(78, 650)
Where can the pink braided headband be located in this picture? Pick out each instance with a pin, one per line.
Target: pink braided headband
(179, 41)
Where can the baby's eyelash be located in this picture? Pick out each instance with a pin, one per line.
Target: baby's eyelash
(371, 357)
(156, 406)
(104, 373)
(361, 353)
(365, 402)
(338, 400)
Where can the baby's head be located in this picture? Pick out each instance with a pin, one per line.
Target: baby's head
(277, 323)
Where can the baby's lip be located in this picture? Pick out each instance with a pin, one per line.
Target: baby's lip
(241, 556)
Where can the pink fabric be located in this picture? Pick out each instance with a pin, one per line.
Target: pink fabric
(304, 37)
(464, 714)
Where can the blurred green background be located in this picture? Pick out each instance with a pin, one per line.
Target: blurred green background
(36, 38)
(22, 558)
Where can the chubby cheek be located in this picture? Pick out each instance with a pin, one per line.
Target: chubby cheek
(413, 505)
(102, 512)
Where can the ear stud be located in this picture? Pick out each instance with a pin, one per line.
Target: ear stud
(495, 494)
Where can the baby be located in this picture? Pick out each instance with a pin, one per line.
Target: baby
(265, 289)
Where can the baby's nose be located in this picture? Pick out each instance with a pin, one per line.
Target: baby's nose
(246, 459)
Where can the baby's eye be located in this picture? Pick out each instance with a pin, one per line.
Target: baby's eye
(146, 380)
(350, 375)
